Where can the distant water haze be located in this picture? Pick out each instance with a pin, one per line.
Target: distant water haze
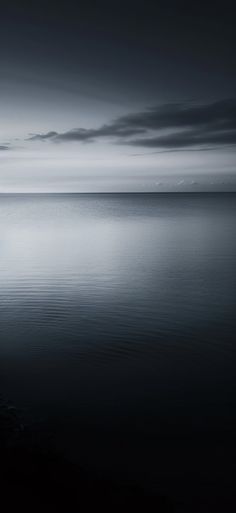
(117, 322)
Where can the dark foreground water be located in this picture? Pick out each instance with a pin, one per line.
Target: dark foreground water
(117, 327)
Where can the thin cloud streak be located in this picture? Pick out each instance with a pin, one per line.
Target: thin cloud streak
(177, 150)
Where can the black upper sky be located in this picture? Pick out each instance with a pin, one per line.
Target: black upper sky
(175, 49)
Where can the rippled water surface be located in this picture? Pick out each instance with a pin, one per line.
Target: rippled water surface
(117, 322)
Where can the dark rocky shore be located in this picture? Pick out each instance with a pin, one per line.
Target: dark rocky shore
(36, 478)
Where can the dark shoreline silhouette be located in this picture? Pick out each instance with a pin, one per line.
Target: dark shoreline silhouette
(36, 477)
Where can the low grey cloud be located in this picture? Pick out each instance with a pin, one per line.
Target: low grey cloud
(43, 137)
(191, 138)
(3, 147)
(89, 135)
(168, 127)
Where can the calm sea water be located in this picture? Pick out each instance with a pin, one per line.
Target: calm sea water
(117, 324)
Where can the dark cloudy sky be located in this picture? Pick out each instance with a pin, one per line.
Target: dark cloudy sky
(117, 96)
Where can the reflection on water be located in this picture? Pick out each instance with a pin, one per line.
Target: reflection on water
(117, 316)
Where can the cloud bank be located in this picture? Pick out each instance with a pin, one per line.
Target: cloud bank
(166, 127)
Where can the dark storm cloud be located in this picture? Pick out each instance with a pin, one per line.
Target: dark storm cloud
(220, 114)
(174, 125)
